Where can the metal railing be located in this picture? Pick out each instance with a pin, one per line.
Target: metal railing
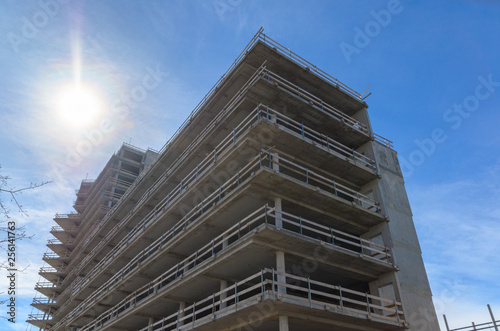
(307, 175)
(259, 36)
(39, 317)
(52, 269)
(260, 73)
(283, 84)
(44, 285)
(261, 113)
(55, 256)
(483, 326)
(263, 159)
(259, 287)
(384, 141)
(61, 229)
(75, 215)
(59, 242)
(314, 136)
(263, 215)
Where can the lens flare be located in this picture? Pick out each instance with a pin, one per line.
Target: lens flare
(79, 106)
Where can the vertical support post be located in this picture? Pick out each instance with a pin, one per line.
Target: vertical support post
(280, 268)
(261, 285)
(275, 160)
(367, 304)
(278, 220)
(492, 317)
(341, 300)
(182, 306)
(309, 296)
(283, 323)
(223, 295)
(236, 296)
(150, 324)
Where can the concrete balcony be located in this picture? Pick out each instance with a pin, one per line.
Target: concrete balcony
(48, 288)
(355, 205)
(359, 167)
(298, 235)
(287, 293)
(66, 221)
(45, 304)
(39, 320)
(60, 247)
(53, 274)
(67, 234)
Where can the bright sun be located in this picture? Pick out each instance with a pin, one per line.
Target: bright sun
(78, 105)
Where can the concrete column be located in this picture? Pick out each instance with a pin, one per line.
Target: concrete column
(275, 160)
(280, 267)
(277, 212)
(150, 324)
(283, 323)
(182, 305)
(223, 296)
(224, 242)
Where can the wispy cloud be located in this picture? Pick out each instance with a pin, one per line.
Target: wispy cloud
(459, 230)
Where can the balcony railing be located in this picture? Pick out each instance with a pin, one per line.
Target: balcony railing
(55, 256)
(260, 36)
(52, 269)
(42, 285)
(264, 215)
(260, 114)
(268, 284)
(310, 176)
(59, 242)
(63, 216)
(39, 317)
(313, 100)
(61, 229)
(42, 301)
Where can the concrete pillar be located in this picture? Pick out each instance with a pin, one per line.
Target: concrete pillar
(150, 324)
(223, 296)
(224, 242)
(182, 306)
(277, 211)
(280, 267)
(275, 161)
(283, 323)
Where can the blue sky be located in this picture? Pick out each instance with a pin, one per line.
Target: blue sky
(432, 66)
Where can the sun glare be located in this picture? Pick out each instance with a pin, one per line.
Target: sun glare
(78, 106)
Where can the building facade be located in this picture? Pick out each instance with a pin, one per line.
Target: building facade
(273, 207)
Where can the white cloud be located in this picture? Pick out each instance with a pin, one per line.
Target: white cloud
(459, 231)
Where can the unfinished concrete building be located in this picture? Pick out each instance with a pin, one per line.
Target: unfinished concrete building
(273, 207)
